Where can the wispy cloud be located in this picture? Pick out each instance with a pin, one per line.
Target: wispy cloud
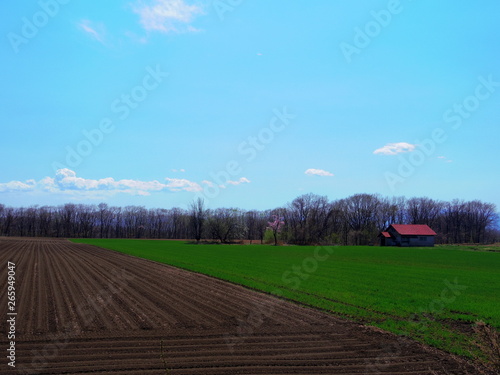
(395, 148)
(242, 180)
(317, 172)
(167, 16)
(445, 159)
(96, 31)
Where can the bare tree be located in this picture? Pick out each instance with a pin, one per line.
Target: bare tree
(309, 219)
(360, 213)
(87, 220)
(69, 219)
(105, 220)
(197, 218)
(224, 224)
(45, 221)
(423, 211)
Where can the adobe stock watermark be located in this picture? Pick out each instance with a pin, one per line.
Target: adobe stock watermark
(292, 278)
(363, 36)
(31, 26)
(221, 7)
(121, 109)
(419, 322)
(454, 116)
(249, 150)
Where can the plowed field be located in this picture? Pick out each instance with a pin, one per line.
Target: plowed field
(82, 310)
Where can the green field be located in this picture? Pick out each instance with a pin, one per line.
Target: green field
(434, 295)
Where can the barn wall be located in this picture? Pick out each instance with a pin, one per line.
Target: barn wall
(418, 241)
(387, 242)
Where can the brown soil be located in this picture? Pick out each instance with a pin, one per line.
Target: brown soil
(85, 310)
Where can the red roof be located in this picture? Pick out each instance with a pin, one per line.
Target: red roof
(386, 234)
(413, 229)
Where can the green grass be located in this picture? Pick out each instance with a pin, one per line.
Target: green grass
(403, 290)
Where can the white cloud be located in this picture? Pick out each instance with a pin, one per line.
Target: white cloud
(16, 186)
(179, 184)
(242, 180)
(167, 15)
(96, 31)
(395, 148)
(67, 182)
(317, 172)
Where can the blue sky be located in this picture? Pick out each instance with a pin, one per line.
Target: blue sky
(247, 103)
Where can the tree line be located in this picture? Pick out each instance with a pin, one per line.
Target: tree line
(308, 219)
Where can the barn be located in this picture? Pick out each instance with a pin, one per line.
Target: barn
(406, 235)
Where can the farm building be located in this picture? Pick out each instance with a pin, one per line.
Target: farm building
(407, 235)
